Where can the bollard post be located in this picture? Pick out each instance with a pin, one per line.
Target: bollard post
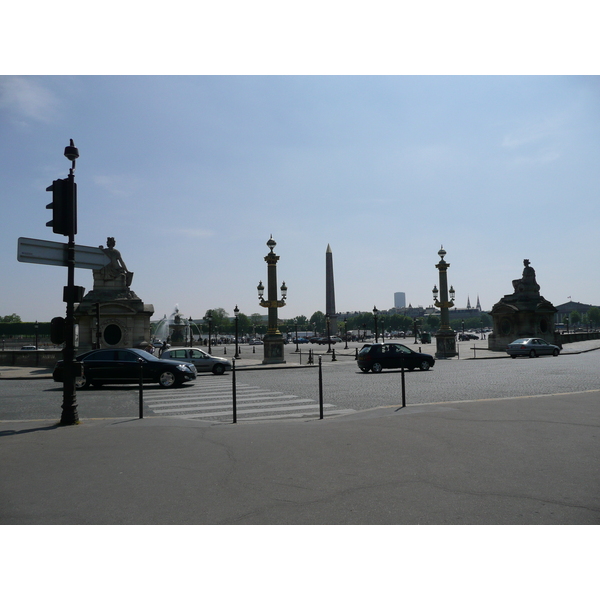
(253, 349)
(141, 391)
(300, 356)
(403, 386)
(356, 354)
(320, 390)
(333, 358)
(234, 390)
(225, 350)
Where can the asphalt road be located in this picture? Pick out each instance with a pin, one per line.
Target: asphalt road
(294, 393)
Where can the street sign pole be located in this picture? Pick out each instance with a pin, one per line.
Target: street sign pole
(70, 415)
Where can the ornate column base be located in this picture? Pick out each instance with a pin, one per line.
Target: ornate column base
(273, 349)
(445, 344)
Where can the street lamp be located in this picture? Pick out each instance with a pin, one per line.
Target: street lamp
(445, 336)
(296, 325)
(209, 318)
(346, 332)
(375, 313)
(273, 339)
(236, 312)
(36, 335)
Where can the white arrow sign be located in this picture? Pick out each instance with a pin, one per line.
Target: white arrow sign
(43, 252)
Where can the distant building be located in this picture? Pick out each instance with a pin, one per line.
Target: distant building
(399, 300)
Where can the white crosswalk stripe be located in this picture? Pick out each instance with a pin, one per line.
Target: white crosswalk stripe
(210, 400)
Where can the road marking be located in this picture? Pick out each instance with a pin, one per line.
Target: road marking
(213, 400)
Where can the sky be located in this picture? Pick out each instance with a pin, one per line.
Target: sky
(192, 173)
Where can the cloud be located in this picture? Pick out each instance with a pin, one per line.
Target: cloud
(25, 98)
(117, 185)
(195, 233)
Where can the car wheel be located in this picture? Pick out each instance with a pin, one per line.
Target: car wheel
(424, 366)
(82, 382)
(364, 369)
(556, 351)
(513, 356)
(167, 379)
(532, 354)
(218, 369)
(376, 368)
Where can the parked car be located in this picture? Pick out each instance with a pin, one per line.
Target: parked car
(203, 361)
(301, 341)
(531, 347)
(28, 348)
(256, 343)
(375, 357)
(323, 340)
(122, 365)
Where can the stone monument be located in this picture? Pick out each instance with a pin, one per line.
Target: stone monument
(112, 315)
(330, 292)
(524, 313)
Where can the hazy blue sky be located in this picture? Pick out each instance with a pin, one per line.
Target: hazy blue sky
(192, 174)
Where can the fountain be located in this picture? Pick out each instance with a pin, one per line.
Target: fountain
(175, 330)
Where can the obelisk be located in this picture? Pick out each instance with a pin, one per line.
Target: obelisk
(330, 292)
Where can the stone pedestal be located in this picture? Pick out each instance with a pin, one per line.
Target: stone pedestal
(124, 318)
(445, 342)
(273, 349)
(525, 313)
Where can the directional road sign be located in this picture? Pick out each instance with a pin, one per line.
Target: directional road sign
(43, 252)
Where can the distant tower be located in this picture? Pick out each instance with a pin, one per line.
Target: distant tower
(330, 291)
(399, 300)
(468, 302)
(478, 307)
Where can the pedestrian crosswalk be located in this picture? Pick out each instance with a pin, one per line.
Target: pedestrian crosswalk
(211, 398)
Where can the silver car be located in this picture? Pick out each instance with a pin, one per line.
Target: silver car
(202, 360)
(531, 347)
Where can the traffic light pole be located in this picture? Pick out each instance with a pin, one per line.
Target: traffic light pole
(69, 414)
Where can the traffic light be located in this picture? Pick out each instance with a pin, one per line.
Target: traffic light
(57, 331)
(64, 206)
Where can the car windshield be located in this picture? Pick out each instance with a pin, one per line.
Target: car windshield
(521, 341)
(365, 350)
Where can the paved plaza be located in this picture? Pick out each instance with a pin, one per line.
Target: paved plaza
(513, 459)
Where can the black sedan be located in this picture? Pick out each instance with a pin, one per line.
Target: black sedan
(376, 357)
(123, 366)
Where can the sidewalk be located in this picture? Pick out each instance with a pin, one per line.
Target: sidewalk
(529, 460)
(476, 350)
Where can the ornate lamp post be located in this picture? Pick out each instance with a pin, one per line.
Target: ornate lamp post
(445, 336)
(296, 326)
(375, 313)
(209, 318)
(273, 340)
(236, 312)
(346, 333)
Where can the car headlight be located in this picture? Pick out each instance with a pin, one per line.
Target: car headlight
(184, 367)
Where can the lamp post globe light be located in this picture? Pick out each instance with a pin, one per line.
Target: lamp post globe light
(445, 337)
(273, 339)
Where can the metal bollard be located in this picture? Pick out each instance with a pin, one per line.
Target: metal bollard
(234, 390)
(141, 394)
(333, 358)
(320, 390)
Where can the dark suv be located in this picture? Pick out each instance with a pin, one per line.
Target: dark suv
(376, 357)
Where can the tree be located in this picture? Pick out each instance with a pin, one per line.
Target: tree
(594, 315)
(220, 320)
(574, 317)
(14, 318)
(318, 320)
